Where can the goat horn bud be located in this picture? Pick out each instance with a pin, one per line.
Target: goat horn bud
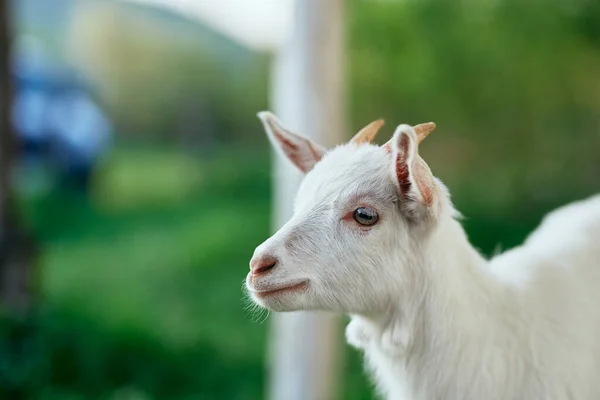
(368, 133)
(423, 130)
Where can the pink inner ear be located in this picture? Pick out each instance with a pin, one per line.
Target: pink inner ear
(288, 145)
(402, 171)
(402, 174)
(303, 158)
(420, 172)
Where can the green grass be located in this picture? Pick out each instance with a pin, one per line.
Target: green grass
(150, 283)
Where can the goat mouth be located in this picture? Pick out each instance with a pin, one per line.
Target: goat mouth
(292, 288)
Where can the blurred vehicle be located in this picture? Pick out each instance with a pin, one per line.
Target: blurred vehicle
(61, 131)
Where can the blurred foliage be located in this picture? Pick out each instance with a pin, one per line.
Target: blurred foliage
(147, 299)
(513, 86)
(142, 280)
(159, 73)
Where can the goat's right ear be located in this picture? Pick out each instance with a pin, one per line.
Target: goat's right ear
(301, 151)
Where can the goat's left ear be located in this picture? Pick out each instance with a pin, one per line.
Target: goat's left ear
(301, 151)
(416, 184)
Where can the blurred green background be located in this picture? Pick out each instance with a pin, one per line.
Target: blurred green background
(141, 272)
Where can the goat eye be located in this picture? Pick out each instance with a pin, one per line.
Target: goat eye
(366, 216)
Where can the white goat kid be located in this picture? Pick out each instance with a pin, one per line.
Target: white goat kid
(374, 235)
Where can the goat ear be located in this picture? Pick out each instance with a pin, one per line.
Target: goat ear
(301, 151)
(416, 184)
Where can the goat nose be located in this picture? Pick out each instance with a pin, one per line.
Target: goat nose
(262, 264)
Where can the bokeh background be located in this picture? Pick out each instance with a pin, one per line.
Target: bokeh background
(144, 176)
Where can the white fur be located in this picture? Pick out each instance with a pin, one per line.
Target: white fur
(435, 319)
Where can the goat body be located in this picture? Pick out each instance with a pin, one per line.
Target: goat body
(524, 325)
(375, 235)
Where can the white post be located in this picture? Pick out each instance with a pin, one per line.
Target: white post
(308, 96)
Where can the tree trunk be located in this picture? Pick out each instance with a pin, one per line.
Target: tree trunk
(16, 246)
